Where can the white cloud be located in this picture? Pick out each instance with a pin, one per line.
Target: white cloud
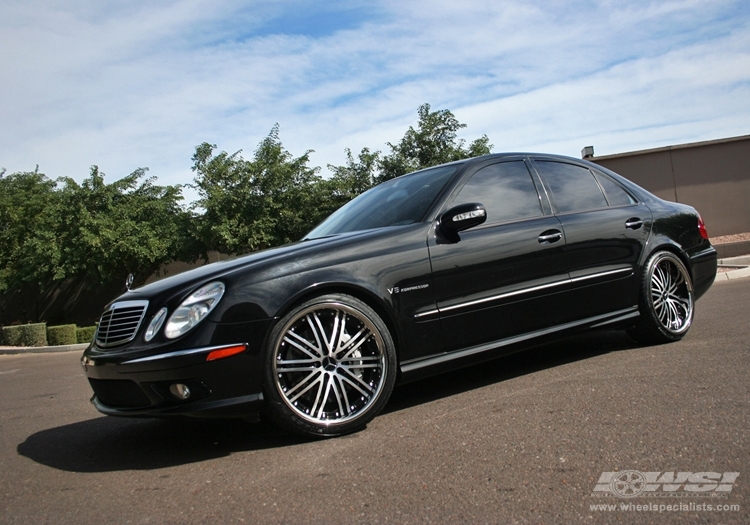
(143, 83)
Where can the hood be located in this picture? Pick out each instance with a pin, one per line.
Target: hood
(272, 258)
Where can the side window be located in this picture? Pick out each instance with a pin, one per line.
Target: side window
(616, 195)
(506, 191)
(573, 187)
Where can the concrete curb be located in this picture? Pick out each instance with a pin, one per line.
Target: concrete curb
(8, 350)
(734, 274)
(732, 249)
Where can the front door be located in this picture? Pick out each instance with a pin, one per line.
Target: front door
(508, 276)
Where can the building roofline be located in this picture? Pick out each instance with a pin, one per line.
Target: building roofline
(671, 148)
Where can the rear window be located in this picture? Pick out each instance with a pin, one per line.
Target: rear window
(616, 195)
(573, 187)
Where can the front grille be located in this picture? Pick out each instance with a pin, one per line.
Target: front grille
(117, 393)
(120, 323)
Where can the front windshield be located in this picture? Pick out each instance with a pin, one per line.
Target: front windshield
(403, 200)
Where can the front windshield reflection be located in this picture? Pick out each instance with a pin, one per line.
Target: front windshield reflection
(404, 200)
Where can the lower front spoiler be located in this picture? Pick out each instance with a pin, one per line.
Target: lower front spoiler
(248, 406)
(192, 383)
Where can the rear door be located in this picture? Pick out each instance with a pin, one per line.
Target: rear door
(605, 230)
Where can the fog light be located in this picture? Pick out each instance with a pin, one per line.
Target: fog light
(180, 391)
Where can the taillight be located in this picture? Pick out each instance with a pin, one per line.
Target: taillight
(702, 228)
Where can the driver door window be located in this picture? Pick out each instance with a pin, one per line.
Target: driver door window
(506, 191)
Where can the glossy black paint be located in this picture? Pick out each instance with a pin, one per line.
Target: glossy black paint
(448, 298)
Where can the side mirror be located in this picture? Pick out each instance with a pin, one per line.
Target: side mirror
(460, 218)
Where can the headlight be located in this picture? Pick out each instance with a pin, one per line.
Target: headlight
(155, 325)
(194, 309)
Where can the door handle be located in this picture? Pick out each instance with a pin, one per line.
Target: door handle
(550, 236)
(633, 223)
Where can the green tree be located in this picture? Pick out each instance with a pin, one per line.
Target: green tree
(253, 204)
(28, 248)
(433, 142)
(94, 231)
(130, 225)
(348, 181)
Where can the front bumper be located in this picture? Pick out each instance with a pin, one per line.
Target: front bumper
(130, 386)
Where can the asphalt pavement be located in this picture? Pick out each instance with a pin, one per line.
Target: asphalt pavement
(523, 439)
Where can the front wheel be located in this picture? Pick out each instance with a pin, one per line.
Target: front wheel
(667, 300)
(330, 366)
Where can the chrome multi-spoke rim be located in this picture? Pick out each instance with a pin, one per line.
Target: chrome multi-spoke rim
(671, 295)
(329, 363)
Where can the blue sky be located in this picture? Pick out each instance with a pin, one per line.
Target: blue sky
(140, 83)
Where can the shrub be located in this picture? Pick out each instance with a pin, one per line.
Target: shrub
(61, 335)
(85, 334)
(25, 335)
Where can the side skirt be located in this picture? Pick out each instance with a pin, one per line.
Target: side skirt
(593, 322)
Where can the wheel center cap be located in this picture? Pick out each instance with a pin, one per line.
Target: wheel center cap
(329, 364)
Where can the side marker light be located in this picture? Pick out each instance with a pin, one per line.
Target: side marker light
(225, 352)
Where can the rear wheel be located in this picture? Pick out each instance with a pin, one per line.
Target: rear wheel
(667, 300)
(330, 366)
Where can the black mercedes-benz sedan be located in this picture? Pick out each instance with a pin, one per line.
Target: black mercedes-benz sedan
(422, 274)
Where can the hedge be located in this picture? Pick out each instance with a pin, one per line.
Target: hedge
(61, 335)
(85, 334)
(25, 335)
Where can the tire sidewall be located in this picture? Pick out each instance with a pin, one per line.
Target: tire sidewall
(650, 319)
(277, 407)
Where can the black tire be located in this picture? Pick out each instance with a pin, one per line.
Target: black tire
(330, 367)
(667, 300)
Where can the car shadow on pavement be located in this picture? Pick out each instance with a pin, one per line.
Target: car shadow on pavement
(107, 444)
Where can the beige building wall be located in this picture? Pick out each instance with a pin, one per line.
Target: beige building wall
(713, 177)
